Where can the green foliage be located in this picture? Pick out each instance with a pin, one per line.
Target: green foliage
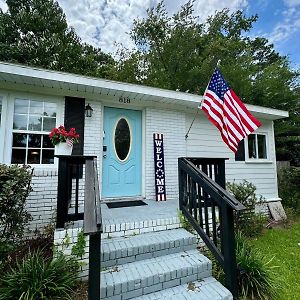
(35, 32)
(78, 249)
(184, 222)
(258, 275)
(179, 52)
(282, 244)
(247, 221)
(14, 189)
(258, 278)
(37, 278)
(289, 188)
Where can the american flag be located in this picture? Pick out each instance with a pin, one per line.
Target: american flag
(227, 112)
(69, 142)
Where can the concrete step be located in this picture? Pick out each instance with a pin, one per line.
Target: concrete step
(155, 274)
(206, 289)
(117, 251)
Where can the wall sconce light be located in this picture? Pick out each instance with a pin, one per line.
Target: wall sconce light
(88, 111)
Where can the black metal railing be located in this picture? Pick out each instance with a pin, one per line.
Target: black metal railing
(209, 208)
(78, 198)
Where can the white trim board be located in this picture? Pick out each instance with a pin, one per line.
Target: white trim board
(31, 76)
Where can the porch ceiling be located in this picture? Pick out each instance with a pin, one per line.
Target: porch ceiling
(36, 77)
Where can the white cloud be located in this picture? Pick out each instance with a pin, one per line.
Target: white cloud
(289, 25)
(104, 22)
(3, 5)
(291, 3)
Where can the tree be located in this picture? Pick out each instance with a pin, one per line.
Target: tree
(178, 52)
(35, 32)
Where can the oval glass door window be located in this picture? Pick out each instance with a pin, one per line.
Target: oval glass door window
(122, 139)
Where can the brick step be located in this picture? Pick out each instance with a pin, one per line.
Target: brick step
(155, 274)
(117, 251)
(206, 289)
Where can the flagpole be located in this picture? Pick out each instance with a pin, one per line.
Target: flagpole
(197, 111)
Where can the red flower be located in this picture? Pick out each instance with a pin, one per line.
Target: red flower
(60, 134)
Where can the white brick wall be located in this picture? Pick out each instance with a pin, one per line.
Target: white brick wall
(41, 203)
(93, 134)
(172, 125)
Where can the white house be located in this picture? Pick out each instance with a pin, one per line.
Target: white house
(120, 133)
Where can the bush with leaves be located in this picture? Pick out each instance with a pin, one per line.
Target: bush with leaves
(14, 189)
(247, 221)
(289, 188)
(257, 278)
(36, 277)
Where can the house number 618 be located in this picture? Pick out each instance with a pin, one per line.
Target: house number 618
(124, 100)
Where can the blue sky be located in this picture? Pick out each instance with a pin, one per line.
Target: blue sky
(104, 23)
(279, 21)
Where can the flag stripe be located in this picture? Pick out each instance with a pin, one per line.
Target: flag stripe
(227, 112)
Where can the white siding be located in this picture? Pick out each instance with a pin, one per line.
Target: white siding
(172, 125)
(205, 141)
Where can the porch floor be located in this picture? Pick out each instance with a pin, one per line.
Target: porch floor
(124, 221)
(139, 219)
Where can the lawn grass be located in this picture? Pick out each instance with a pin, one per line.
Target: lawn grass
(282, 244)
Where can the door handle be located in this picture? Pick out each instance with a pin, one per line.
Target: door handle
(104, 155)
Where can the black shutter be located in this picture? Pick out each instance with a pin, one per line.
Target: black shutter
(74, 117)
(240, 153)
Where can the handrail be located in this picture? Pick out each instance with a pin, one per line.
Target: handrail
(70, 170)
(92, 208)
(228, 198)
(209, 208)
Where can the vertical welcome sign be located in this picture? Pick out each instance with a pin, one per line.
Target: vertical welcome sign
(159, 167)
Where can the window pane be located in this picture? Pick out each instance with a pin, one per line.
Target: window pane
(20, 140)
(35, 123)
(34, 156)
(262, 146)
(21, 106)
(251, 146)
(46, 142)
(36, 107)
(20, 122)
(49, 124)
(50, 109)
(34, 141)
(48, 157)
(18, 156)
(122, 139)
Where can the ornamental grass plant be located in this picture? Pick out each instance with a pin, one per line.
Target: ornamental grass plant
(35, 278)
(258, 279)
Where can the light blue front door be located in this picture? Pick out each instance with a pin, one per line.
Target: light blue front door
(122, 153)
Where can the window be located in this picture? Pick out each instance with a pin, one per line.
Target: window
(257, 146)
(32, 122)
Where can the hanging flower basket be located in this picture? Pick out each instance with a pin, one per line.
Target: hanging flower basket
(63, 140)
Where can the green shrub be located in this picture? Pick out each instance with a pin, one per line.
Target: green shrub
(289, 188)
(247, 221)
(37, 278)
(14, 189)
(258, 278)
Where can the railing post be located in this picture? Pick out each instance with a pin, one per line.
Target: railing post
(94, 266)
(62, 193)
(180, 185)
(228, 249)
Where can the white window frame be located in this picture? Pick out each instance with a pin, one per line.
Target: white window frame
(3, 123)
(257, 159)
(59, 100)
